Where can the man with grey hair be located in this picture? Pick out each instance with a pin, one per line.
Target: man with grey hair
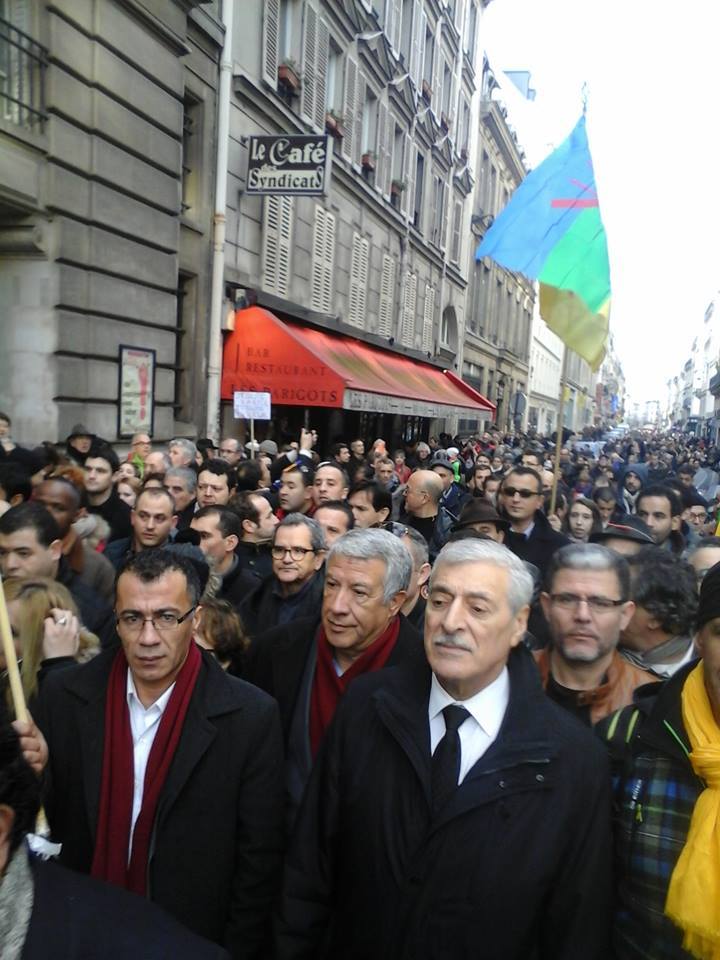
(182, 452)
(307, 666)
(181, 484)
(425, 801)
(294, 588)
(231, 451)
(156, 462)
(587, 605)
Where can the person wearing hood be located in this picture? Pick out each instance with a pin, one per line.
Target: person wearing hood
(631, 479)
(78, 443)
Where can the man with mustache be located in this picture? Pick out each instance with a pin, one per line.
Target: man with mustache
(427, 794)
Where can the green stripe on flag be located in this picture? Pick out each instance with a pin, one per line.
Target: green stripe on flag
(579, 261)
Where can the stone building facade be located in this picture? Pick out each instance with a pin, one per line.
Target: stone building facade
(107, 138)
(500, 303)
(384, 256)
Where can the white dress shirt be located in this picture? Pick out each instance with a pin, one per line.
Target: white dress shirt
(480, 729)
(144, 725)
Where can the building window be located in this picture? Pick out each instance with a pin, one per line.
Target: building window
(185, 346)
(386, 310)
(323, 260)
(316, 51)
(277, 244)
(359, 261)
(419, 188)
(22, 68)
(409, 308)
(428, 319)
(191, 153)
(333, 86)
(369, 122)
(428, 60)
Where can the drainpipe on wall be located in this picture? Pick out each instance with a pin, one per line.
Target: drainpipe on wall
(214, 368)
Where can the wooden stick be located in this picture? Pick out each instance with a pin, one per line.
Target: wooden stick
(559, 432)
(11, 664)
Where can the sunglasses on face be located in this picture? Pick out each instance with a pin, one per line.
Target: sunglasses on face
(525, 494)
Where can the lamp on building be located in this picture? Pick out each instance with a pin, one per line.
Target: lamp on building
(480, 222)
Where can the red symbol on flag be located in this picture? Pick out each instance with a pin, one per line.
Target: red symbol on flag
(577, 202)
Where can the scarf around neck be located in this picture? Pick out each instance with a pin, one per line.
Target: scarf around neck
(665, 652)
(693, 900)
(110, 858)
(328, 687)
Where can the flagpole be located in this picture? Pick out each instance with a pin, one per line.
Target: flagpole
(559, 431)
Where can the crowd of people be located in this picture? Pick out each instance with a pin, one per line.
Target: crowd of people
(455, 699)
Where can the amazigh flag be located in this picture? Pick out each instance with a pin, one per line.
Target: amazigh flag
(551, 231)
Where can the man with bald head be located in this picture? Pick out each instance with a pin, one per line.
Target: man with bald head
(424, 511)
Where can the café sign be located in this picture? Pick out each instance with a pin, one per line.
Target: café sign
(288, 166)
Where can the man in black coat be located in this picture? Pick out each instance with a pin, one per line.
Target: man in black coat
(307, 664)
(294, 588)
(50, 913)
(530, 536)
(219, 531)
(203, 837)
(454, 811)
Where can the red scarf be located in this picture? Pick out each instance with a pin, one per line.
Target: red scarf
(110, 859)
(328, 687)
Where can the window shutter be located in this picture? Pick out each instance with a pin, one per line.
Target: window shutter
(284, 245)
(309, 64)
(381, 165)
(277, 243)
(328, 262)
(358, 145)
(396, 24)
(321, 67)
(409, 307)
(456, 232)
(412, 64)
(444, 222)
(349, 106)
(357, 300)
(428, 319)
(318, 253)
(438, 61)
(420, 40)
(271, 237)
(271, 41)
(406, 203)
(387, 297)
(389, 140)
(410, 187)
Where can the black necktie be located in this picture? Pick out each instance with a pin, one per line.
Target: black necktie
(445, 769)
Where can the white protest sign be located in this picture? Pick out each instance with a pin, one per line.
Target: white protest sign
(251, 406)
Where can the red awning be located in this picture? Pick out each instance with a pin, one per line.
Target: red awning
(311, 368)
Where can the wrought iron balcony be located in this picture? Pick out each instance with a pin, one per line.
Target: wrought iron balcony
(23, 62)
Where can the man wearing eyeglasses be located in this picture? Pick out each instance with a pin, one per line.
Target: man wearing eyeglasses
(530, 536)
(587, 605)
(166, 773)
(294, 588)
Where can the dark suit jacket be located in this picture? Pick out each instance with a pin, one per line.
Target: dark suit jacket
(216, 846)
(517, 865)
(76, 918)
(282, 662)
(539, 547)
(277, 660)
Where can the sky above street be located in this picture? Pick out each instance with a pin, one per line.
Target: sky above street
(650, 71)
